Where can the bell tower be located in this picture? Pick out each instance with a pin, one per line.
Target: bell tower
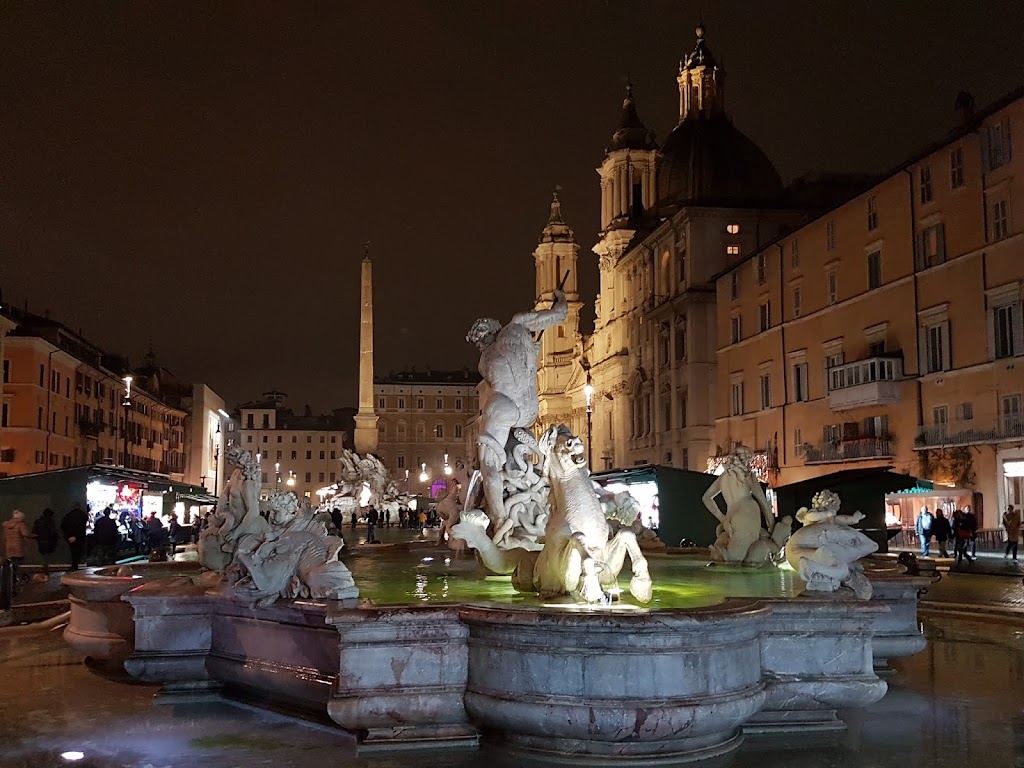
(701, 82)
(555, 261)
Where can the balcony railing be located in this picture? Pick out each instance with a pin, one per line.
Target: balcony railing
(849, 450)
(945, 435)
(873, 381)
(90, 428)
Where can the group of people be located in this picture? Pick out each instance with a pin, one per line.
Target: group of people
(962, 529)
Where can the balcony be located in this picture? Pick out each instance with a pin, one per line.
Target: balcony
(945, 435)
(90, 428)
(859, 449)
(874, 381)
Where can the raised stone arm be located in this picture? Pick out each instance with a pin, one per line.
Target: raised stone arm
(538, 320)
(709, 499)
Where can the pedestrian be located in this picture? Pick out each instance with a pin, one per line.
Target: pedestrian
(423, 523)
(371, 524)
(72, 526)
(355, 517)
(971, 521)
(1011, 524)
(173, 532)
(387, 517)
(942, 531)
(923, 529)
(16, 533)
(156, 534)
(105, 534)
(47, 536)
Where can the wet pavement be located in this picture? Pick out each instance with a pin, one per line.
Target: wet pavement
(958, 703)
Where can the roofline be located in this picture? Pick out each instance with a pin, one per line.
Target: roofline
(957, 133)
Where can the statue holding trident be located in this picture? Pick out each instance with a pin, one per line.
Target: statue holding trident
(508, 363)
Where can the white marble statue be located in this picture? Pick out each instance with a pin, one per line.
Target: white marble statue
(740, 536)
(580, 554)
(294, 559)
(237, 513)
(286, 554)
(359, 473)
(824, 552)
(508, 364)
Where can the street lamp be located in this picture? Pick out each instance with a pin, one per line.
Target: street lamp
(291, 478)
(588, 390)
(447, 466)
(423, 472)
(216, 461)
(277, 475)
(127, 403)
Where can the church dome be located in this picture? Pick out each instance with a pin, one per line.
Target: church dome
(708, 161)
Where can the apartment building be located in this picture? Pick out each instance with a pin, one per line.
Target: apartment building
(887, 331)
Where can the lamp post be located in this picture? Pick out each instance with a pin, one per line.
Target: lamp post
(447, 466)
(588, 390)
(127, 404)
(216, 461)
(277, 476)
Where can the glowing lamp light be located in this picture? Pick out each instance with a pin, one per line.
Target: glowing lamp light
(447, 467)
(423, 473)
(290, 480)
(589, 392)
(72, 756)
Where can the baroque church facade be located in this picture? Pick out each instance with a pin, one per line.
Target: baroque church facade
(673, 216)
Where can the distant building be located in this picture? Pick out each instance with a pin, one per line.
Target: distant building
(424, 416)
(66, 403)
(889, 330)
(298, 453)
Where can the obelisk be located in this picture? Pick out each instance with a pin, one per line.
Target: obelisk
(366, 417)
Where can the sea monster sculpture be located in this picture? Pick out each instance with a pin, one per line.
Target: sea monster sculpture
(237, 513)
(740, 536)
(580, 556)
(825, 550)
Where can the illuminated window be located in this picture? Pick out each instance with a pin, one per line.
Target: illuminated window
(732, 250)
(733, 229)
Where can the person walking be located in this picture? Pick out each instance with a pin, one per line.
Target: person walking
(173, 532)
(47, 536)
(971, 522)
(107, 538)
(72, 526)
(16, 533)
(372, 518)
(1011, 524)
(923, 529)
(942, 531)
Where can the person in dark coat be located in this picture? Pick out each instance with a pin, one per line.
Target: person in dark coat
(47, 537)
(106, 536)
(942, 530)
(72, 526)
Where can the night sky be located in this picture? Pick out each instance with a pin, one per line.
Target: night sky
(202, 177)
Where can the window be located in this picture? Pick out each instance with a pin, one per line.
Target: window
(924, 180)
(736, 325)
(830, 235)
(800, 394)
(309, 477)
(401, 403)
(766, 391)
(680, 341)
(264, 438)
(1000, 220)
(323, 438)
(831, 361)
(1007, 331)
(935, 349)
(797, 308)
(956, 168)
(320, 477)
(736, 399)
(264, 478)
(334, 476)
(419, 403)
(732, 250)
(831, 288)
(876, 349)
(309, 455)
(309, 438)
(765, 316)
(440, 400)
(874, 270)
(998, 140)
(794, 253)
(401, 461)
(965, 412)
(458, 430)
(733, 229)
(458, 403)
(250, 420)
(295, 438)
(321, 455)
(334, 439)
(872, 213)
(4, 415)
(1011, 414)
(279, 453)
(439, 431)
(931, 246)
(248, 438)
(294, 455)
(761, 265)
(279, 438)
(798, 442)
(940, 417)
(381, 403)
(7, 371)
(734, 290)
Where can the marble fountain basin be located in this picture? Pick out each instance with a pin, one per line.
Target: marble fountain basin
(666, 683)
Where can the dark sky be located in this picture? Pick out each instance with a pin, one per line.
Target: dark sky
(203, 176)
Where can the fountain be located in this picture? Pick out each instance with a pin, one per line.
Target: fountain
(552, 657)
